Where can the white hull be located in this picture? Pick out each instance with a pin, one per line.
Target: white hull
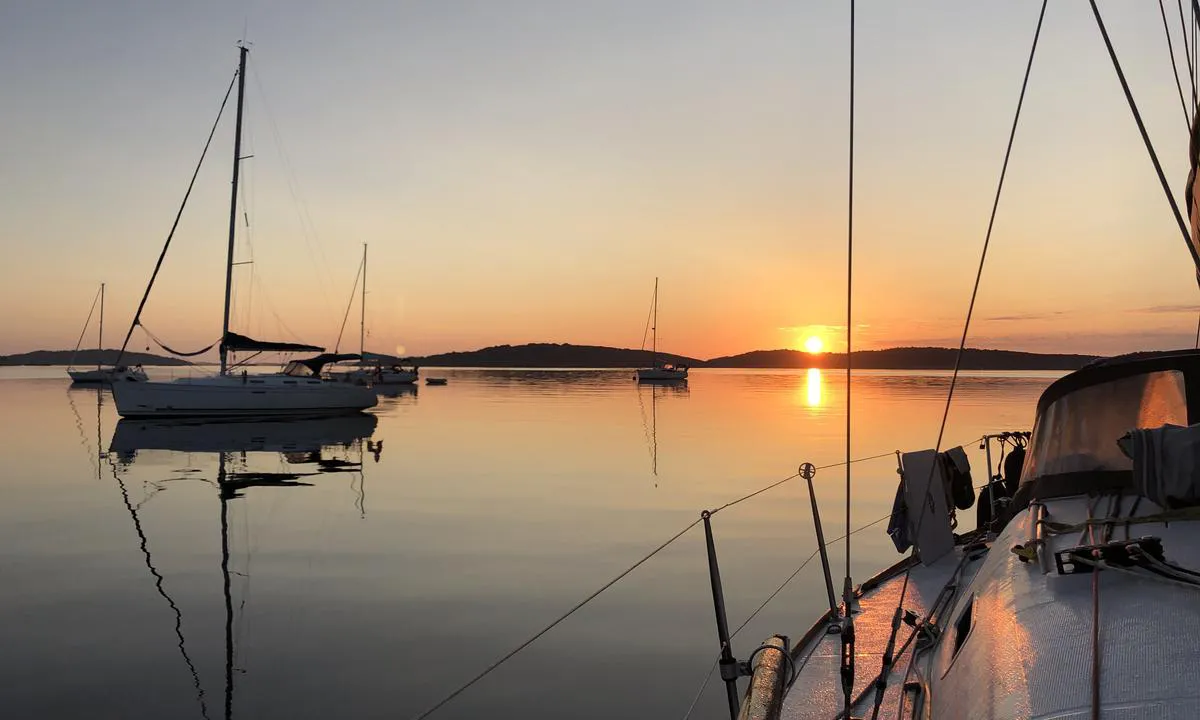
(662, 374)
(106, 375)
(240, 396)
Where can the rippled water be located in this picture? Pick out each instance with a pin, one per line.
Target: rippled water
(366, 567)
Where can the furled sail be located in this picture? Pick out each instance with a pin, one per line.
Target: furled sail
(234, 343)
(1193, 192)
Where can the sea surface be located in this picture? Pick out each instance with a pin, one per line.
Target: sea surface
(367, 567)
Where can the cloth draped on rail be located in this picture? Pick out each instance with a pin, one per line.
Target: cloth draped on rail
(1166, 461)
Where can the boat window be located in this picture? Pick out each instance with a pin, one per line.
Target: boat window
(1078, 432)
(962, 628)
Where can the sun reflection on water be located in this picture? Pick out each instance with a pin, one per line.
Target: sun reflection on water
(812, 386)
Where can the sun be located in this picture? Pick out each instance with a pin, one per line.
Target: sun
(813, 344)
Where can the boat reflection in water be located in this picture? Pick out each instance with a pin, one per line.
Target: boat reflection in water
(309, 448)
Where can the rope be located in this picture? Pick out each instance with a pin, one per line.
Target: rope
(551, 626)
(1137, 116)
(1175, 66)
(180, 353)
(137, 316)
(967, 324)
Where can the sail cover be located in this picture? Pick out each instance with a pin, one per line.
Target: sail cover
(236, 342)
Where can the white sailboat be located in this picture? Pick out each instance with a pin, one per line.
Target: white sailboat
(298, 390)
(371, 370)
(659, 372)
(101, 374)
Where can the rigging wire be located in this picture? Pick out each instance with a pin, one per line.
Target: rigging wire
(1137, 116)
(137, 316)
(1183, 26)
(846, 659)
(486, 671)
(966, 329)
(353, 294)
(308, 228)
(708, 677)
(553, 624)
(83, 332)
(649, 314)
(1174, 65)
(849, 287)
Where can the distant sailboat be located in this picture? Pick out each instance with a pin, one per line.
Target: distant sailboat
(659, 372)
(298, 390)
(100, 374)
(371, 369)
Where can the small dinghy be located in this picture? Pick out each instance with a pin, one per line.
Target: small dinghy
(435, 381)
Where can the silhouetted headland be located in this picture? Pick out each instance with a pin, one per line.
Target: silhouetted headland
(906, 358)
(544, 355)
(87, 357)
(552, 355)
(563, 355)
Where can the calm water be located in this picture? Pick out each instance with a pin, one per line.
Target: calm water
(369, 581)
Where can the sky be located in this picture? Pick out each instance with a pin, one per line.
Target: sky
(522, 171)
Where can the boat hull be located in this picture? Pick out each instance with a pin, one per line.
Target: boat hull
(240, 396)
(662, 375)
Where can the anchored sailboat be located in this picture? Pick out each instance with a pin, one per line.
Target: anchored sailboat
(371, 369)
(100, 374)
(659, 372)
(298, 390)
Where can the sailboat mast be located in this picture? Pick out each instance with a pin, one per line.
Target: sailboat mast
(100, 340)
(654, 329)
(362, 323)
(237, 157)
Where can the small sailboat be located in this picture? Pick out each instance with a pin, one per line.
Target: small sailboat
(299, 390)
(371, 369)
(101, 374)
(659, 372)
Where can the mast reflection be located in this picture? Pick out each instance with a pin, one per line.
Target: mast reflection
(304, 445)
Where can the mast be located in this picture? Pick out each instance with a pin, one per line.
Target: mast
(237, 156)
(100, 340)
(654, 329)
(362, 323)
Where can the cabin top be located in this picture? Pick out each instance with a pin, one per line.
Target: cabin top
(1081, 416)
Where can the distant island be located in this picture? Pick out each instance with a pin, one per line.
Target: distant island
(552, 355)
(907, 358)
(540, 355)
(87, 357)
(563, 355)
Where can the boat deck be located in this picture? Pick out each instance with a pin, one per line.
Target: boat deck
(817, 692)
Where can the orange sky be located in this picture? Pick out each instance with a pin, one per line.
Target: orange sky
(523, 174)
